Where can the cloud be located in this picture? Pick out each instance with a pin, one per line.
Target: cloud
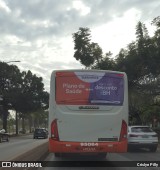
(37, 19)
(4, 7)
(39, 33)
(44, 69)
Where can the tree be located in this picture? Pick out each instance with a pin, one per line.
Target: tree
(21, 91)
(10, 78)
(82, 47)
(96, 52)
(156, 42)
(156, 22)
(105, 63)
(31, 96)
(86, 52)
(140, 61)
(40, 118)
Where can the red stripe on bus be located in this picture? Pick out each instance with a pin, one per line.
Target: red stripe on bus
(75, 147)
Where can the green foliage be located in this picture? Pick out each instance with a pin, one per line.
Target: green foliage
(156, 22)
(140, 60)
(40, 118)
(21, 91)
(106, 63)
(151, 112)
(82, 46)
(86, 52)
(10, 79)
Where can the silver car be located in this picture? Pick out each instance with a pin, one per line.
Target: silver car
(142, 137)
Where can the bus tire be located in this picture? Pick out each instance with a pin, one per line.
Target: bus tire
(57, 154)
(102, 155)
(153, 149)
(1, 139)
(7, 139)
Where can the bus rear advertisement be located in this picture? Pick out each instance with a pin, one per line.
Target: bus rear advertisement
(88, 111)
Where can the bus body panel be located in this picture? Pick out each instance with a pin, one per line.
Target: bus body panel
(87, 123)
(89, 126)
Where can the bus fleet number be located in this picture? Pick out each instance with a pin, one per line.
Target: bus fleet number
(88, 144)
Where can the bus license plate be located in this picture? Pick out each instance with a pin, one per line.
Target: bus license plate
(89, 149)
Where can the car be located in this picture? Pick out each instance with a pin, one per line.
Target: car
(3, 136)
(40, 133)
(142, 137)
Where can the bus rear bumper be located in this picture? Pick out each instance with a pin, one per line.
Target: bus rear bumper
(87, 147)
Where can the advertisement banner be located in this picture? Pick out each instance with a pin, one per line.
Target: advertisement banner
(89, 88)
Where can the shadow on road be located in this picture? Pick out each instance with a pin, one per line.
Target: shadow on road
(139, 150)
(82, 157)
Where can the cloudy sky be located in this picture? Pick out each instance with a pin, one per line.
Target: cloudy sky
(39, 32)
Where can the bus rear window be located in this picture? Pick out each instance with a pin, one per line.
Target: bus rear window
(89, 88)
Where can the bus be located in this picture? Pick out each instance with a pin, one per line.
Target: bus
(88, 112)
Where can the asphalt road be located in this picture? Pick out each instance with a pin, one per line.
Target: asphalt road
(18, 146)
(111, 160)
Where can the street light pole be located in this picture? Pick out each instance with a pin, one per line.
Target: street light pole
(16, 61)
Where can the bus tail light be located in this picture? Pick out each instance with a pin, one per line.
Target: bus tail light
(123, 134)
(54, 130)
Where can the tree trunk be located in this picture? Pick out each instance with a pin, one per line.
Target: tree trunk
(16, 123)
(30, 124)
(5, 115)
(23, 124)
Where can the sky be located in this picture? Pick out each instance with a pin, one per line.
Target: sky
(38, 33)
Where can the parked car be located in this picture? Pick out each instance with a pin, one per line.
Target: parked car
(40, 133)
(142, 137)
(3, 136)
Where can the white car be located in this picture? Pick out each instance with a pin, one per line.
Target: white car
(142, 137)
(2, 131)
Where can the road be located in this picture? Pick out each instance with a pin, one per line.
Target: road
(17, 146)
(138, 156)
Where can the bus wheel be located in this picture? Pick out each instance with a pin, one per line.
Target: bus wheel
(0, 139)
(102, 155)
(57, 154)
(7, 139)
(153, 149)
